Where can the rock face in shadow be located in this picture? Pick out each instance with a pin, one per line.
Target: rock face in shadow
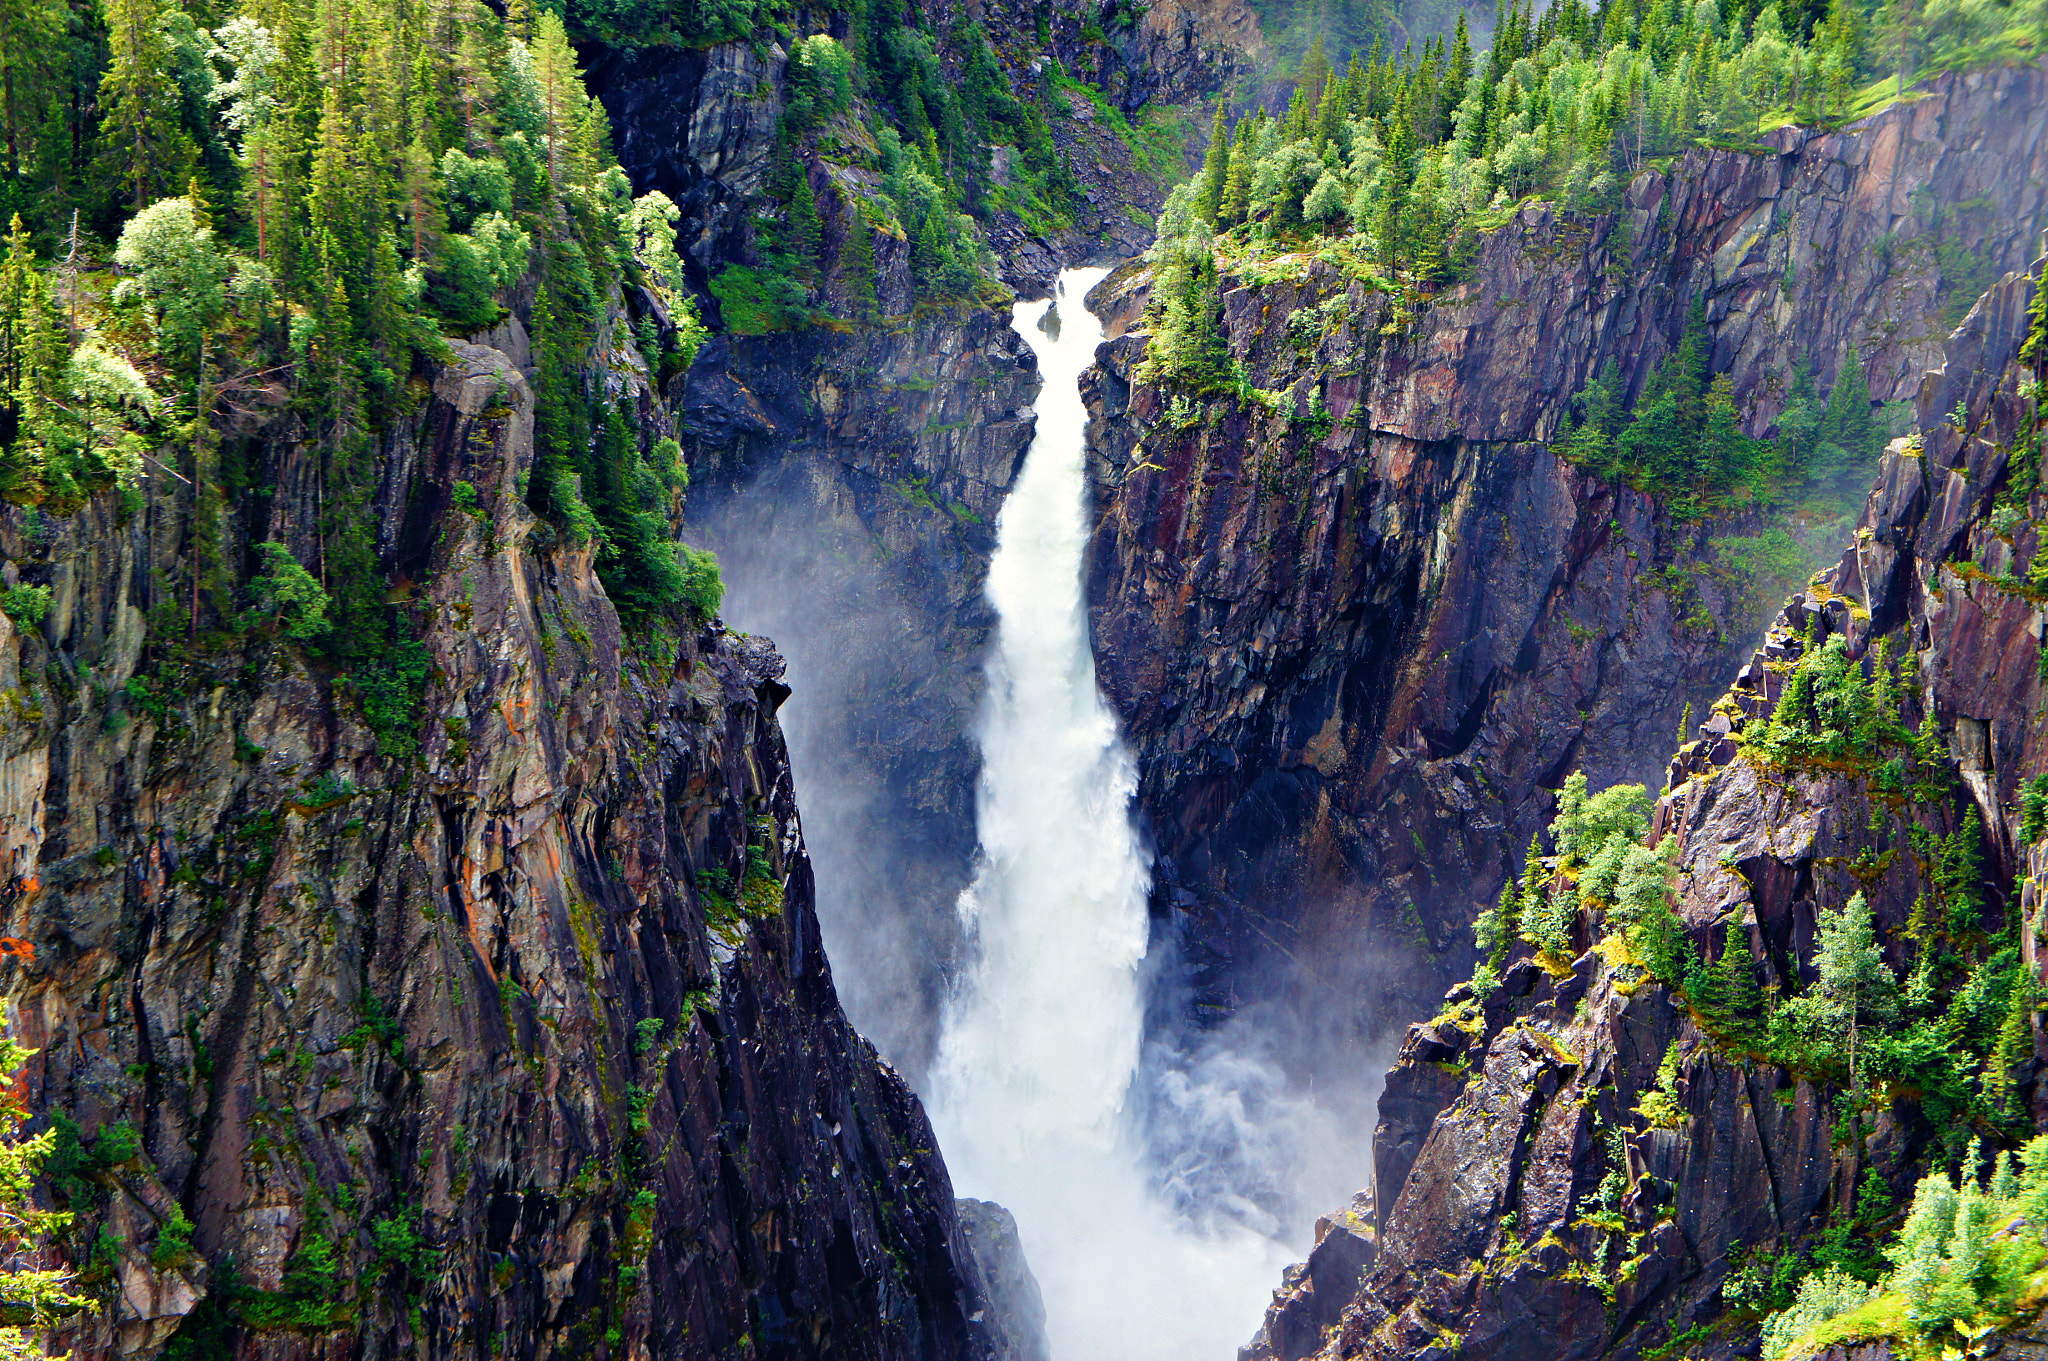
(522, 1045)
(1359, 630)
(1533, 1201)
(1015, 1319)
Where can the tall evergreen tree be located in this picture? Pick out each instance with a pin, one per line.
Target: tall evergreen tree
(1215, 169)
(144, 151)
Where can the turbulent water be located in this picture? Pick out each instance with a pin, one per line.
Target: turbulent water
(1041, 1038)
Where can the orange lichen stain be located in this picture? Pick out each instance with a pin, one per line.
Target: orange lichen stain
(18, 948)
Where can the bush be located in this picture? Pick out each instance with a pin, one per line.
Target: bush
(474, 187)
(703, 590)
(27, 606)
(754, 302)
(1822, 1296)
(1583, 825)
(289, 594)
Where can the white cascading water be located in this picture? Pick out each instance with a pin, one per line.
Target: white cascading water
(1041, 1037)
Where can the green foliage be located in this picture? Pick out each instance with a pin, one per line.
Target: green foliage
(1956, 1273)
(73, 1166)
(26, 605)
(1823, 1295)
(1188, 346)
(820, 80)
(391, 687)
(474, 187)
(753, 301)
(2033, 807)
(173, 1241)
(1830, 713)
(1584, 824)
(310, 1298)
(44, 1295)
(1855, 989)
(703, 589)
(288, 594)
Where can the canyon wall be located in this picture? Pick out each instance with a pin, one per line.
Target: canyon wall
(524, 1044)
(1358, 635)
(1534, 1198)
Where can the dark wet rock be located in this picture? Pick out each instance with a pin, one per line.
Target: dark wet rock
(1013, 1310)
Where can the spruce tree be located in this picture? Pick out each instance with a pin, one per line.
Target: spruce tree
(143, 147)
(1237, 181)
(1742, 1000)
(2035, 350)
(857, 269)
(806, 232)
(1215, 170)
(35, 30)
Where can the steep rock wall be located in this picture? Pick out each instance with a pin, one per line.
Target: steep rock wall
(1500, 1122)
(1357, 645)
(525, 1046)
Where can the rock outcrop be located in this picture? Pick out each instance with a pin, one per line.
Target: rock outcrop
(1572, 1166)
(524, 1044)
(1356, 635)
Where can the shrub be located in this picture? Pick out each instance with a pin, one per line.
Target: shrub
(474, 187)
(1583, 825)
(288, 593)
(27, 606)
(1822, 1296)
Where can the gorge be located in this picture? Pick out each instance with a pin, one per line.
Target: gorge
(744, 681)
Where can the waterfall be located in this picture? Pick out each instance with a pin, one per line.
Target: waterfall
(1041, 1035)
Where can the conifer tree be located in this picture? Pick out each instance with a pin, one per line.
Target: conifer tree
(1742, 1000)
(562, 97)
(1215, 170)
(1237, 177)
(35, 29)
(143, 146)
(857, 269)
(2035, 349)
(806, 231)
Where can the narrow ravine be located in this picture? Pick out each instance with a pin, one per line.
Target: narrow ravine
(1041, 1036)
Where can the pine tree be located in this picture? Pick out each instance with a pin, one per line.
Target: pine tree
(562, 97)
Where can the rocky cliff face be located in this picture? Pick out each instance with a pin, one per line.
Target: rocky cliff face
(850, 480)
(1357, 636)
(1533, 1199)
(525, 1046)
